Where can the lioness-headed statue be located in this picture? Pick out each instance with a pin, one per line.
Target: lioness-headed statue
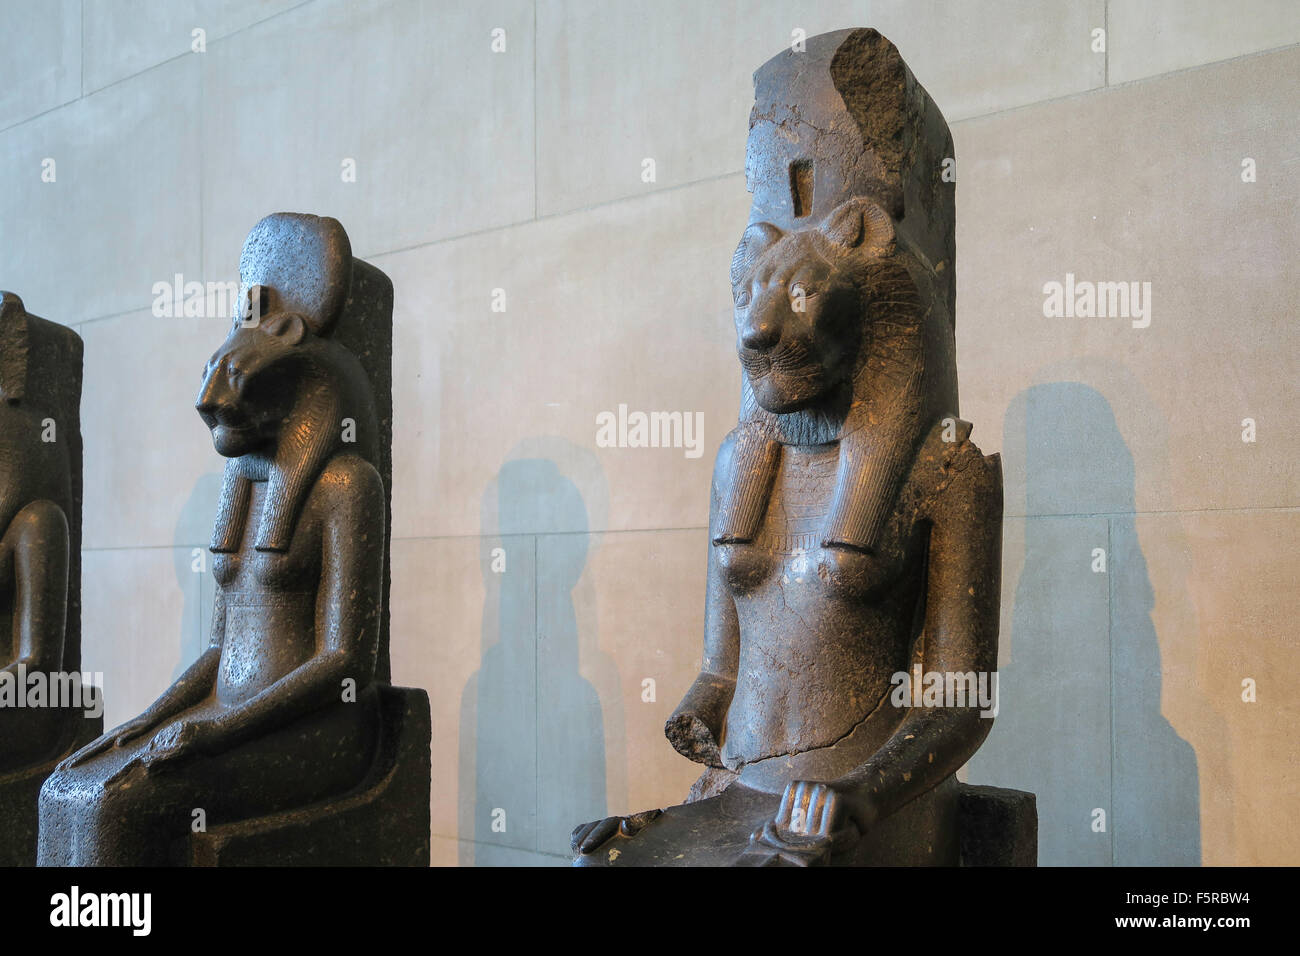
(282, 710)
(855, 529)
(45, 709)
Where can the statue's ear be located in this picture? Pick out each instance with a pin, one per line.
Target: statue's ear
(289, 326)
(860, 222)
(759, 237)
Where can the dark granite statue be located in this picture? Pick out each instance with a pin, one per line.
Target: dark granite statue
(856, 531)
(283, 743)
(45, 708)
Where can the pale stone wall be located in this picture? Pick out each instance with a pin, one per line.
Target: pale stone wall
(522, 171)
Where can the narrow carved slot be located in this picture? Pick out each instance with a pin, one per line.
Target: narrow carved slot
(801, 187)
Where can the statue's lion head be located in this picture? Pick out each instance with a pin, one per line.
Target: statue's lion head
(801, 303)
(281, 395)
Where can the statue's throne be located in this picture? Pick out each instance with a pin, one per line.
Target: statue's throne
(20, 790)
(384, 821)
(998, 827)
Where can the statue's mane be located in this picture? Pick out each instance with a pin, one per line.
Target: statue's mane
(900, 386)
(330, 386)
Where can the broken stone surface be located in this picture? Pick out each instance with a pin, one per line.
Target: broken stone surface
(284, 741)
(40, 567)
(856, 530)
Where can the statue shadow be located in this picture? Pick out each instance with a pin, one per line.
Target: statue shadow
(532, 738)
(1080, 721)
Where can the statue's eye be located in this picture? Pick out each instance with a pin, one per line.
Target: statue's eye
(234, 375)
(743, 298)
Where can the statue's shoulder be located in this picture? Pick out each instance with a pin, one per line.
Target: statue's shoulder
(725, 460)
(348, 478)
(749, 447)
(950, 467)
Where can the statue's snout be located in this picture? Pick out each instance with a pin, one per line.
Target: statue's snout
(760, 330)
(215, 398)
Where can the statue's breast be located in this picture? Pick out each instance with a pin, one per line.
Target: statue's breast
(788, 543)
(249, 570)
(269, 601)
(268, 572)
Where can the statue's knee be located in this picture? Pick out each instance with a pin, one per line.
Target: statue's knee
(58, 785)
(82, 785)
(40, 521)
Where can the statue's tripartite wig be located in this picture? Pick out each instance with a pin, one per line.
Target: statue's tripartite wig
(842, 127)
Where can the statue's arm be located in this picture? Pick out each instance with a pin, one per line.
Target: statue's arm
(961, 635)
(191, 687)
(37, 544)
(695, 727)
(350, 502)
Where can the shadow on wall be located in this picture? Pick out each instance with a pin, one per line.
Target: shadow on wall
(194, 570)
(532, 729)
(1080, 719)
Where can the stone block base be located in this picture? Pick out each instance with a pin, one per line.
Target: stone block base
(383, 822)
(20, 792)
(998, 827)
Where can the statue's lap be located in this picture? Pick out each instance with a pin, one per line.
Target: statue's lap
(321, 753)
(716, 832)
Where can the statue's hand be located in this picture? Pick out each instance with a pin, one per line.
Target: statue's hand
(820, 810)
(117, 737)
(176, 740)
(588, 837)
(813, 821)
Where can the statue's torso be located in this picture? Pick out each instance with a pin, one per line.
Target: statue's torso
(822, 630)
(270, 605)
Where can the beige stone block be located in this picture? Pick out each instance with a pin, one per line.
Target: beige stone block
(1224, 608)
(1052, 733)
(438, 636)
(621, 82)
(41, 68)
(638, 605)
(145, 619)
(438, 129)
(1150, 37)
(152, 475)
(627, 305)
(977, 58)
(1139, 184)
(124, 37)
(122, 211)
